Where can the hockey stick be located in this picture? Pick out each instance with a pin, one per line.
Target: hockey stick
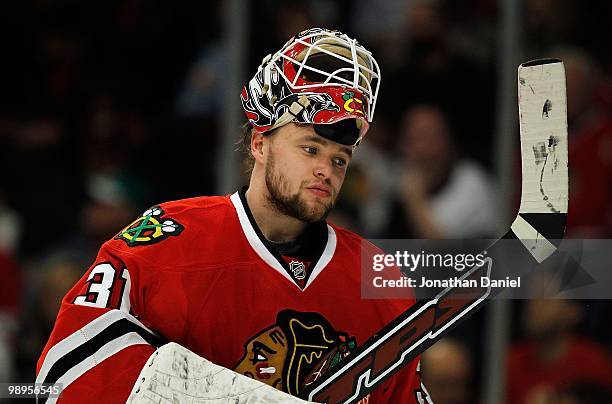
(541, 220)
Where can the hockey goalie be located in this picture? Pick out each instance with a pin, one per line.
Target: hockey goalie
(248, 297)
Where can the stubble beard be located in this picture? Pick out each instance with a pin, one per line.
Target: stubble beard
(292, 204)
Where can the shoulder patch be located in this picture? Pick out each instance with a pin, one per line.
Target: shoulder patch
(150, 228)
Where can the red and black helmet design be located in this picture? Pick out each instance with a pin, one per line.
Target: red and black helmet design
(319, 77)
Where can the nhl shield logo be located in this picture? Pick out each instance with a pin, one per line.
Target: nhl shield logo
(298, 269)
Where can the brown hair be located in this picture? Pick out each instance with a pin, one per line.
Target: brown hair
(244, 146)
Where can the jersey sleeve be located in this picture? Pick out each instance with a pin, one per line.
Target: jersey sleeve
(100, 342)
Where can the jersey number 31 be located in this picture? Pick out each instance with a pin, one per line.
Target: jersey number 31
(102, 285)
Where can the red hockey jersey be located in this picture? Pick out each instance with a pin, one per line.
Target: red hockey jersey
(198, 272)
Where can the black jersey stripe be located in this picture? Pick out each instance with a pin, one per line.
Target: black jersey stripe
(115, 330)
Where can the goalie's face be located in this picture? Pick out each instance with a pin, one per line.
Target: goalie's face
(303, 171)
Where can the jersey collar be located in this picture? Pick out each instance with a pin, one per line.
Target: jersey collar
(267, 253)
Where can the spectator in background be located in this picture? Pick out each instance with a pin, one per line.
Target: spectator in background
(446, 368)
(426, 64)
(589, 102)
(439, 194)
(368, 187)
(553, 357)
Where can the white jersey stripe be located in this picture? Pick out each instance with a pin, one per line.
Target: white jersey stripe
(261, 250)
(82, 336)
(254, 240)
(326, 257)
(100, 355)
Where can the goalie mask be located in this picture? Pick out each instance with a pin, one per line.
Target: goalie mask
(319, 77)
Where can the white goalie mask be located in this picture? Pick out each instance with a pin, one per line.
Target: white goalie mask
(319, 77)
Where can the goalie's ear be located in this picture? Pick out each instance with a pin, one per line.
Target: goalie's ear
(257, 146)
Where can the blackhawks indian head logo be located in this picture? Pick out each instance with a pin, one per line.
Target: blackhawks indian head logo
(150, 228)
(295, 351)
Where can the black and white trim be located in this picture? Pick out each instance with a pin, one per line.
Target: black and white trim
(421, 395)
(85, 348)
(262, 251)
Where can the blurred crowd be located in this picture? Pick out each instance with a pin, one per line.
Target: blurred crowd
(109, 107)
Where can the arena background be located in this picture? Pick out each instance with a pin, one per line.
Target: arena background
(109, 107)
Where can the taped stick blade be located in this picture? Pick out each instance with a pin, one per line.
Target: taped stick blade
(544, 154)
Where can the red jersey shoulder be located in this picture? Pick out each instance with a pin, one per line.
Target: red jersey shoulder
(347, 239)
(173, 228)
(360, 252)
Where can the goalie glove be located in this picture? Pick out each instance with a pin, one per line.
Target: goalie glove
(174, 374)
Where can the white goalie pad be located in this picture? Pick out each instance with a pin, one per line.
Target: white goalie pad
(174, 374)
